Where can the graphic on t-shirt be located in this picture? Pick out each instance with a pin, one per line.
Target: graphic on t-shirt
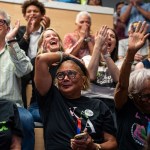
(104, 79)
(82, 119)
(3, 126)
(139, 131)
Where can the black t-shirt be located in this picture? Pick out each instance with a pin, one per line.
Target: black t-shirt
(9, 123)
(132, 127)
(52, 72)
(61, 119)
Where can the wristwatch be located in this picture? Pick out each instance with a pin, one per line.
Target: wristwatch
(98, 146)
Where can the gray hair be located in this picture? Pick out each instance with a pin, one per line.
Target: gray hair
(80, 14)
(137, 80)
(6, 16)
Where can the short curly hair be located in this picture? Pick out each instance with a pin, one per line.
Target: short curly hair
(36, 3)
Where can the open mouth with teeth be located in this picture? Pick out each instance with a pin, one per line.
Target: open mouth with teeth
(53, 42)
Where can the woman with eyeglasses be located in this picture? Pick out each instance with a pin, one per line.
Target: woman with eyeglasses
(64, 112)
(132, 96)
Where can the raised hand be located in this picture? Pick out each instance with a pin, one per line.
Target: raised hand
(45, 22)
(12, 33)
(101, 39)
(30, 25)
(138, 37)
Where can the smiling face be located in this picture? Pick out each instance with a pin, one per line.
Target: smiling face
(111, 40)
(52, 41)
(70, 87)
(34, 13)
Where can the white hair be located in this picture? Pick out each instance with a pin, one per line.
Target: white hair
(6, 16)
(137, 80)
(80, 14)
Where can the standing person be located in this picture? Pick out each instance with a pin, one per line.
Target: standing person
(13, 65)
(49, 42)
(119, 26)
(135, 11)
(65, 112)
(132, 96)
(104, 73)
(81, 41)
(28, 36)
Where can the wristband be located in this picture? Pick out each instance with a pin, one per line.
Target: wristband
(10, 41)
(61, 56)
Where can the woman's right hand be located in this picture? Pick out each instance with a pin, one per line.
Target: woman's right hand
(101, 39)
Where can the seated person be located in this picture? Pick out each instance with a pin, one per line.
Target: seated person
(65, 112)
(10, 126)
(104, 73)
(81, 41)
(14, 65)
(49, 42)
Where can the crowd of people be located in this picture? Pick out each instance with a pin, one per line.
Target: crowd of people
(90, 91)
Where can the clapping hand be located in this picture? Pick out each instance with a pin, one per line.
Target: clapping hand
(101, 39)
(12, 33)
(45, 22)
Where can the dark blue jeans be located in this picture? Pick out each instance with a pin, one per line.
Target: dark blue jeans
(34, 110)
(28, 129)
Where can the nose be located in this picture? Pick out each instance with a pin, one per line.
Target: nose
(66, 77)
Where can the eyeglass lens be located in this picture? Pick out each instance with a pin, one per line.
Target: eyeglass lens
(145, 96)
(2, 22)
(71, 74)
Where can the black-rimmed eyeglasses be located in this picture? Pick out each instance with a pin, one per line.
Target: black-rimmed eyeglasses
(2, 22)
(71, 74)
(144, 97)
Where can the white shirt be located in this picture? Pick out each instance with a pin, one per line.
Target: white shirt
(33, 45)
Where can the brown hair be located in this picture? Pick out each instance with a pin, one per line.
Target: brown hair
(36, 3)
